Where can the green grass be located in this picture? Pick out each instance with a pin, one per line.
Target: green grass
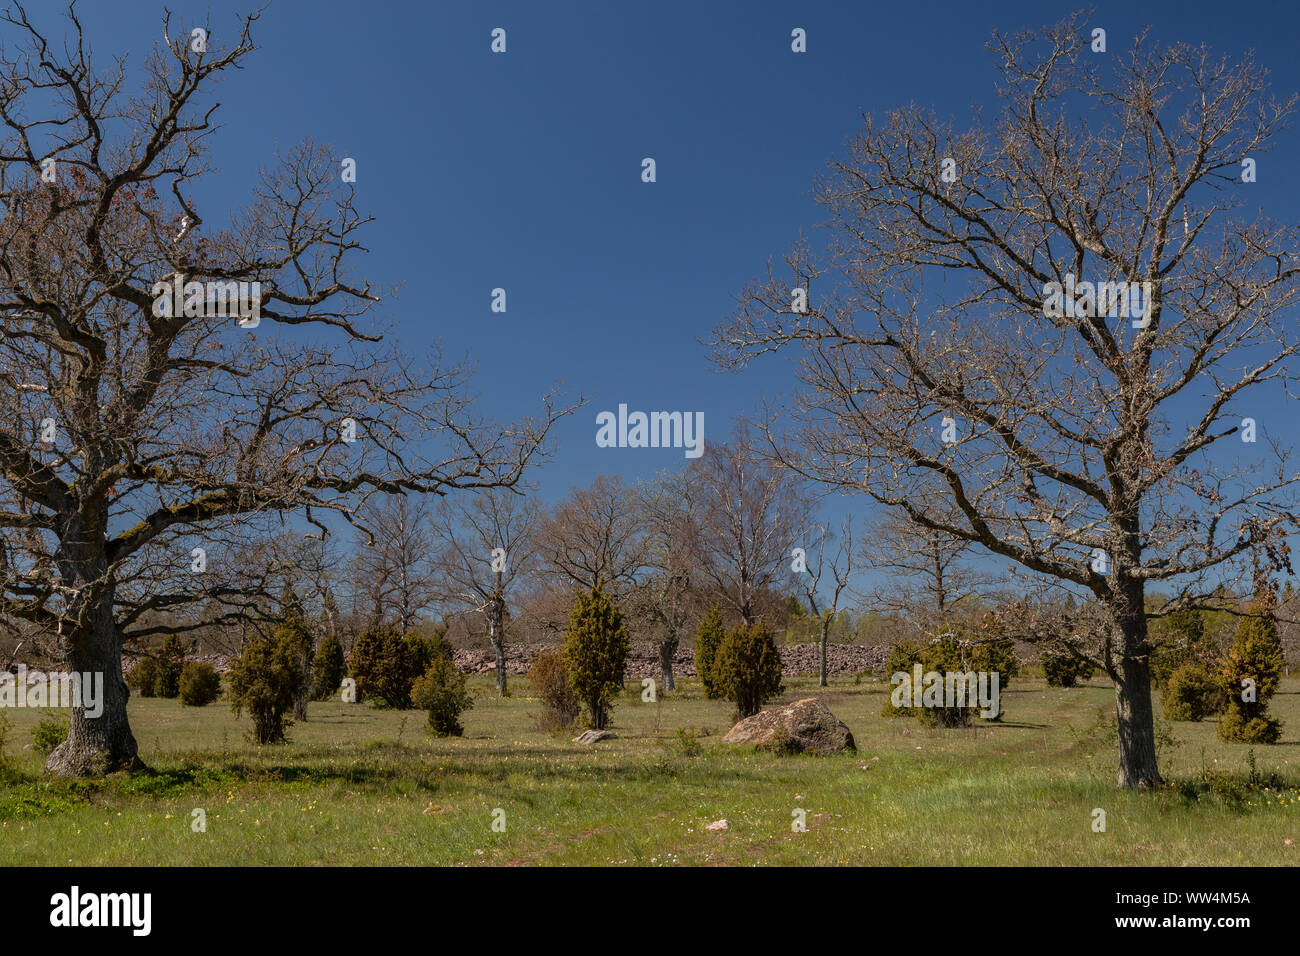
(363, 786)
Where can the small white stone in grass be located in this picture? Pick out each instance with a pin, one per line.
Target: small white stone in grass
(719, 825)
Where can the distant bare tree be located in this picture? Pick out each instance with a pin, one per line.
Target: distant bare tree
(1075, 295)
(928, 571)
(747, 514)
(836, 567)
(487, 549)
(595, 538)
(393, 563)
(666, 591)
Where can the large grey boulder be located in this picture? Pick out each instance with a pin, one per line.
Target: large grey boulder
(806, 726)
(594, 736)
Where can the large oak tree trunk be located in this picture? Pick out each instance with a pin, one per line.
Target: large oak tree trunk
(104, 744)
(1136, 718)
(1137, 742)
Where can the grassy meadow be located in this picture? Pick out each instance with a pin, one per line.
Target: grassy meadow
(365, 786)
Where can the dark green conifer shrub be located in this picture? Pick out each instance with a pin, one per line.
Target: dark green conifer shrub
(1190, 692)
(707, 640)
(327, 669)
(144, 677)
(50, 731)
(747, 668)
(1249, 675)
(385, 664)
(596, 647)
(266, 679)
(200, 684)
(171, 661)
(441, 692)
(1064, 669)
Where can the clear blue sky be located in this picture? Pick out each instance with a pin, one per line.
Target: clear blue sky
(522, 170)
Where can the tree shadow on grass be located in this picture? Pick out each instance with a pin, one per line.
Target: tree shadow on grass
(385, 765)
(380, 768)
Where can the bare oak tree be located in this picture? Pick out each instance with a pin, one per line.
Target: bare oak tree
(595, 537)
(393, 565)
(665, 592)
(487, 550)
(133, 421)
(836, 567)
(747, 513)
(1095, 447)
(928, 572)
